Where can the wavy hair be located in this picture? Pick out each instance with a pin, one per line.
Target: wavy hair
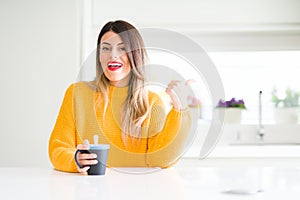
(136, 106)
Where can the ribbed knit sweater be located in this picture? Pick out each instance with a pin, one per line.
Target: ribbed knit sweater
(82, 115)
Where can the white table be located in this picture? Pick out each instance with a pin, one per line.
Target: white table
(182, 181)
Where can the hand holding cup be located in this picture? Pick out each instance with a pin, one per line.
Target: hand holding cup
(92, 158)
(84, 159)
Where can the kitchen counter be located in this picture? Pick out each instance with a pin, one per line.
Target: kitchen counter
(256, 151)
(188, 179)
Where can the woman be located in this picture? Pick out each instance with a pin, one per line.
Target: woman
(117, 107)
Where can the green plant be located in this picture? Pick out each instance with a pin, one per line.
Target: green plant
(291, 98)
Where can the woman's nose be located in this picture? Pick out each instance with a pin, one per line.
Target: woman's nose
(115, 54)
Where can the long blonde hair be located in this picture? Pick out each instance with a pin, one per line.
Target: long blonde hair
(136, 106)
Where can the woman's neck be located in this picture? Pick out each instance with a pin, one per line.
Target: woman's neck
(121, 83)
(118, 84)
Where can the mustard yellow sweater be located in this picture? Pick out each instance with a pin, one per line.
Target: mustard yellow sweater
(82, 115)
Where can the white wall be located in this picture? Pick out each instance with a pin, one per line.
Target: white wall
(231, 25)
(39, 51)
(41, 40)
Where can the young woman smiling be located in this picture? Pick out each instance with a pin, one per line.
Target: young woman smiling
(118, 108)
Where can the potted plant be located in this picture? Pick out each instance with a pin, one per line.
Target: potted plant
(232, 108)
(287, 107)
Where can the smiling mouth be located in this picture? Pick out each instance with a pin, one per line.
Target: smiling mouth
(114, 66)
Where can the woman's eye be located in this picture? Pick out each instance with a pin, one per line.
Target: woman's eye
(123, 49)
(105, 49)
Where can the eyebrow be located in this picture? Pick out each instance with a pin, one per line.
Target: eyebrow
(121, 43)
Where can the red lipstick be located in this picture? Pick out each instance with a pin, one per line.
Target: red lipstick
(114, 65)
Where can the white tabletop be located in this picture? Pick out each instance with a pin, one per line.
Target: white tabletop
(178, 182)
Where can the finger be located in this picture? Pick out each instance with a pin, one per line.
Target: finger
(82, 147)
(173, 82)
(172, 86)
(85, 156)
(88, 162)
(168, 90)
(190, 81)
(84, 169)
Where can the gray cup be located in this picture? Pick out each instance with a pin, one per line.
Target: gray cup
(102, 153)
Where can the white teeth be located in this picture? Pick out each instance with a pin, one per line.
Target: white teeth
(114, 65)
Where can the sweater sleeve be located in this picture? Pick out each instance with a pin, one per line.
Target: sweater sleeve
(166, 147)
(63, 139)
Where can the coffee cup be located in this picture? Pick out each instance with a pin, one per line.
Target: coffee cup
(102, 153)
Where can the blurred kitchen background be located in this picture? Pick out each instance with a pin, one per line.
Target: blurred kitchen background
(254, 44)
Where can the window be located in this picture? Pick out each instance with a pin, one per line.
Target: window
(244, 74)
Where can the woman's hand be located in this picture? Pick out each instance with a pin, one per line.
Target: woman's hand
(178, 92)
(85, 159)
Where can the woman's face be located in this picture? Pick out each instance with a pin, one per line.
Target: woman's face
(114, 59)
